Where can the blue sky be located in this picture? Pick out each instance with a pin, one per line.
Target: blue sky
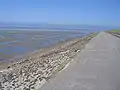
(90, 12)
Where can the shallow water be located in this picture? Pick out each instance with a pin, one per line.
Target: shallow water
(13, 43)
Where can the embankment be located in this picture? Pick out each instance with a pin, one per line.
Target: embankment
(32, 71)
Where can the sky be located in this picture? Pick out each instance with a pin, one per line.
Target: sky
(73, 12)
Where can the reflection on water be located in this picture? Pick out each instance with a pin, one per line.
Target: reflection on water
(14, 43)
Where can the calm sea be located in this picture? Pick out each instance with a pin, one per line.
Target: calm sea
(16, 42)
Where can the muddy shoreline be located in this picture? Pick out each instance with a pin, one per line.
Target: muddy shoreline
(32, 70)
(40, 52)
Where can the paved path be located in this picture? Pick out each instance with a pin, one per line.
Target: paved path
(97, 67)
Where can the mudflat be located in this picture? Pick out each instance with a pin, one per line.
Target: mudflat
(16, 43)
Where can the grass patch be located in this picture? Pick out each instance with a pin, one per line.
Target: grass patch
(60, 67)
(93, 34)
(115, 31)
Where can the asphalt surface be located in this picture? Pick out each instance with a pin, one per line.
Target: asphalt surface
(97, 67)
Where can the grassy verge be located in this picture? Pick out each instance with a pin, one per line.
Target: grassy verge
(93, 34)
(60, 67)
(114, 31)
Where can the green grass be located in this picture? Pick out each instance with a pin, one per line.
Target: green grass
(60, 67)
(93, 34)
(113, 31)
